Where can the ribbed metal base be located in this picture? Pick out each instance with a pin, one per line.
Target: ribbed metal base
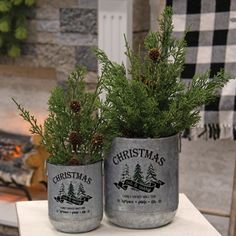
(139, 220)
(76, 226)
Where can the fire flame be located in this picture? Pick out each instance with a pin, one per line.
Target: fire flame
(16, 152)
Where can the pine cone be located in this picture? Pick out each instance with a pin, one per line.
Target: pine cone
(73, 161)
(154, 54)
(74, 138)
(146, 81)
(142, 78)
(75, 106)
(97, 139)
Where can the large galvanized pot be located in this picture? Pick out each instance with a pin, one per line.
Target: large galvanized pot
(75, 201)
(141, 182)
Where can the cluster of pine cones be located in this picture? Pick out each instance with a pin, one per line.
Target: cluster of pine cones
(154, 54)
(75, 138)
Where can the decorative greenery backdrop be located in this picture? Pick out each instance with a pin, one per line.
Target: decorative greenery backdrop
(13, 28)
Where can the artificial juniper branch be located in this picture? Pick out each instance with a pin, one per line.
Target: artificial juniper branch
(73, 133)
(35, 127)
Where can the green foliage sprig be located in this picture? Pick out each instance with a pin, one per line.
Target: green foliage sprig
(72, 133)
(155, 102)
(13, 27)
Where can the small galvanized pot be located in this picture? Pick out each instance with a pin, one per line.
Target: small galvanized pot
(141, 182)
(75, 202)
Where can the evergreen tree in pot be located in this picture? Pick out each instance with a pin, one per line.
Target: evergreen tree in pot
(73, 137)
(146, 115)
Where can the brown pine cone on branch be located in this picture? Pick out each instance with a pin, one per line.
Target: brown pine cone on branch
(73, 161)
(97, 139)
(147, 82)
(75, 106)
(154, 54)
(74, 138)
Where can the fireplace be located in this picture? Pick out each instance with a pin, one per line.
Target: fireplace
(22, 162)
(13, 147)
(15, 150)
(19, 167)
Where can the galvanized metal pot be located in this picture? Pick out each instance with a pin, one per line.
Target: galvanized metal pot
(141, 182)
(75, 202)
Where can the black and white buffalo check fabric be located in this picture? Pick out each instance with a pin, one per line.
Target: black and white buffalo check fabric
(211, 40)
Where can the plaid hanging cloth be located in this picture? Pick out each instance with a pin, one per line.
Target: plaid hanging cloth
(211, 40)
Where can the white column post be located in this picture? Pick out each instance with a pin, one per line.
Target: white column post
(115, 18)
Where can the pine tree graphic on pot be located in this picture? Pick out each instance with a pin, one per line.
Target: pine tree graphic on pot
(144, 117)
(73, 136)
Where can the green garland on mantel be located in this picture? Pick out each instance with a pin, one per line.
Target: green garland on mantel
(13, 28)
